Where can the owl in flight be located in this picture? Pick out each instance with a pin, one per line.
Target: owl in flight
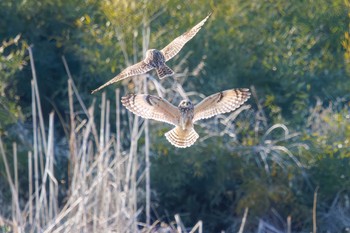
(186, 114)
(155, 59)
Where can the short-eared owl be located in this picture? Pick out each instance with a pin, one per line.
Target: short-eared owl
(186, 114)
(155, 59)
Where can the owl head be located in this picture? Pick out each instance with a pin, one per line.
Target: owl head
(186, 104)
(150, 52)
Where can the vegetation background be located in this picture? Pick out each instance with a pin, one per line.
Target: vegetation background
(291, 140)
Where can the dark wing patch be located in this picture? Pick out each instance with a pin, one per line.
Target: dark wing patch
(148, 100)
(221, 95)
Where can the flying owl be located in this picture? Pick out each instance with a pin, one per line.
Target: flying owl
(155, 59)
(186, 114)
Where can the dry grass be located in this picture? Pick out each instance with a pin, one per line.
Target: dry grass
(103, 178)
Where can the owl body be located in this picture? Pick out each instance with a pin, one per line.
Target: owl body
(186, 109)
(155, 58)
(186, 114)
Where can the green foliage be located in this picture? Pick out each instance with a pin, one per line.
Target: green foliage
(11, 62)
(113, 35)
(49, 27)
(294, 53)
(215, 185)
(290, 50)
(194, 184)
(269, 170)
(330, 131)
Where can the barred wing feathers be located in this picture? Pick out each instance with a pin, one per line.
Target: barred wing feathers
(222, 102)
(176, 45)
(136, 69)
(152, 107)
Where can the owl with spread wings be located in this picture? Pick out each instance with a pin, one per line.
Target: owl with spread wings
(186, 114)
(155, 59)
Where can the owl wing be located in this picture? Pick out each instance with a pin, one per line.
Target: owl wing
(176, 45)
(152, 107)
(136, 69)
(222, 102)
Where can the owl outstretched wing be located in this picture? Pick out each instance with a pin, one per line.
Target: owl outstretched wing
(222, 102)
(152, 107)
(176, 45)
(136, 69)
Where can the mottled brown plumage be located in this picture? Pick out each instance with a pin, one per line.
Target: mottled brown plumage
(155, 59)
(186, 114)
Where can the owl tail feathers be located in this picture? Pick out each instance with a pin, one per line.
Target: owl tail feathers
(182, 138)
(164, 71)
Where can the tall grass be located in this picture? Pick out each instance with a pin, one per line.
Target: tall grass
(103, 178)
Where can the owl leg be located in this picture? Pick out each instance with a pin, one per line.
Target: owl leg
(164, 71)
(182, 138)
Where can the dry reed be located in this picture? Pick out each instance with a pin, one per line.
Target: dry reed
(103, 176)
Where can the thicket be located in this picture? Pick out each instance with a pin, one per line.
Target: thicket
(293, 138)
